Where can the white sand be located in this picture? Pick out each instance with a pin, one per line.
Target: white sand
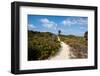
(64, 52)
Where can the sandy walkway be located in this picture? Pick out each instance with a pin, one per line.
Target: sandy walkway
(64, 51)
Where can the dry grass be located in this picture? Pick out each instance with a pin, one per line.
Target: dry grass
(79, 47)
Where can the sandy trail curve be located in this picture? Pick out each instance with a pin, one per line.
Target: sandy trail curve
(64, 52)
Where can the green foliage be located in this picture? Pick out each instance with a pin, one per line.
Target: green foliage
(86, 35)
(42, 45)
(78, 45)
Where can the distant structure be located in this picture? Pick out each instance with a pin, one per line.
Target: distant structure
(59, 32)
(86, 36)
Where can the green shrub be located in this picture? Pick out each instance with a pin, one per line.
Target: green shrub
(41, 45)
(78, 45)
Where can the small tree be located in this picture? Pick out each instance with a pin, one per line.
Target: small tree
(59, 32)
(86, 35)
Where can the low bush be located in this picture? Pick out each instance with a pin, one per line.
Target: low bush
(42, 45)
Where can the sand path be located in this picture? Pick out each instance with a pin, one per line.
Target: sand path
(64, 52)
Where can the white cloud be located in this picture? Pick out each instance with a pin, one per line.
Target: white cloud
(68, 22)
(31, 27)
(48, 24)
(82, 28)
(72, 21)
(45, 20)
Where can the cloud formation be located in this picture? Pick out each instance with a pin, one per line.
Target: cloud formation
(31, 27)
(74, 21)
(82, 28)
(48, 24)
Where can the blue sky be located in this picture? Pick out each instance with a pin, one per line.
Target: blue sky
(69, 25)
